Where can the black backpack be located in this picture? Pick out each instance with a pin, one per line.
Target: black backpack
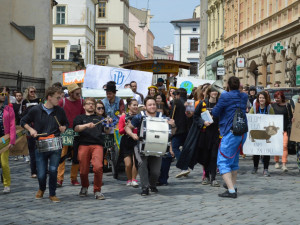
(239, 125)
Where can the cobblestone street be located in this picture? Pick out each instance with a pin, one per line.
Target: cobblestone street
(261, 200)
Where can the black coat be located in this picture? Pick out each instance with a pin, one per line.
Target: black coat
(188, 155)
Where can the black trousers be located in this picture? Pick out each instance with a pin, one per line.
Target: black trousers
(266, 161)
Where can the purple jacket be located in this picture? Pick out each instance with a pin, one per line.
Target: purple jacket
(9, 123)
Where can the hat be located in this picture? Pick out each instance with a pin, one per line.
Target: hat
(252, 88)
(160, 80)
(111, 86)
(171, 87)
(152, 87)
(72, 87)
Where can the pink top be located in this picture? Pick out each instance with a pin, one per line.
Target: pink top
(9, 123)
(122, 126)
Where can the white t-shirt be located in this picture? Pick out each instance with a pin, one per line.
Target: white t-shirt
(138, 98)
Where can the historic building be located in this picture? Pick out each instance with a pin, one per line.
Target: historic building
(114, 40)
(266, 33)
(26, 36)
(203, 35)
(139, 22)
(215, 38)
(186, 43)
(73, 36)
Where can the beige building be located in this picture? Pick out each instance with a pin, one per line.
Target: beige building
(253, 30)
(26, 36)
(113, 35)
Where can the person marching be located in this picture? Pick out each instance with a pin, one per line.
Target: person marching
(30, 99)
(73, 106)
(262, 106)
(90, 129)
(149, 166)
(49, 121)
(152, 91)
(127, 143)
(7, 126)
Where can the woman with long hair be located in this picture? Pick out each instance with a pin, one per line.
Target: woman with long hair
(161, 104)
(100, 109)
(127, 143)
(7, 126)
(262, 106)
(152, 91)
(171, 96)
(282, 107)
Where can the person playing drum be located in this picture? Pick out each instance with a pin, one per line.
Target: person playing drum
(49, 121)
(90, 129)
(149, 166)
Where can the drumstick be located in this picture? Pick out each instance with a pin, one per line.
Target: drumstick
(173, 111)
(100, 122)
(41, 134)
(57, 121)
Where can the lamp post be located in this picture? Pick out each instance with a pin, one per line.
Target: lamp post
(95, 31)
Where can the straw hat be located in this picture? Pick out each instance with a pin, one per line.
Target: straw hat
(72, 87)
(152, 87)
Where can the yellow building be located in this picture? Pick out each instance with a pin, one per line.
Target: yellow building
(215, 38)
(266, 33)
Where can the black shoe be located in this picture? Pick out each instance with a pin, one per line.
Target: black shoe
(161, 184)
(254, 171)
(145, 192)
(225, 186)
(153, 189)
(227, 194)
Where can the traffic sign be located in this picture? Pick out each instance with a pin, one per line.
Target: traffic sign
(298, 75)
(221, 71)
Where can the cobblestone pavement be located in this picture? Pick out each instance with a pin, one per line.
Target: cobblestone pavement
(261, 200)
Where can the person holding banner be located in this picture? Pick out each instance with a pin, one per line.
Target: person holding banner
(230, 146)
(262, 106)
(49, 121)
(113, 104)
(282, 107)
(73, 106)
(7, 127)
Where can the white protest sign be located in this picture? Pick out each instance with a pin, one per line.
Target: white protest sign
(189, 83)
(265, 135)
(97, 76)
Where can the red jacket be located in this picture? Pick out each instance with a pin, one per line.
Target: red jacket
(9, 123)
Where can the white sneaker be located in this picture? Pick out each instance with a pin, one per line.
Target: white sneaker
(99, 196)
(284, 168)
(16, 158)
(6, 190)
(134, 184)
(27, 159)
(182, 173)
(277, 165)
(129, 183)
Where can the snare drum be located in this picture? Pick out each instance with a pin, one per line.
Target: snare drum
(51, 144)
(155, 136)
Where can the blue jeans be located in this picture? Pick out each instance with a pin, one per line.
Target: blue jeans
(177, 141)
(164, 170)
(42, 159)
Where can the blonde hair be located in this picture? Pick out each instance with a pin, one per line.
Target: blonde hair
(26, 92)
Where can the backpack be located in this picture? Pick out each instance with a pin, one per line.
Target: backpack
(239, 125)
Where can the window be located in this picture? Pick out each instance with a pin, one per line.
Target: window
(60, 53)
(194, 29)
(101, 39)
(194, 44)
(194, 68)
(101, 61)
(102, 9)
(60, 14)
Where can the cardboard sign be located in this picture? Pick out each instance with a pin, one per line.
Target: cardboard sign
(20, 147)
(68, 137)
(108, 140)
(73, 77)
(295, 133)
(265, 135)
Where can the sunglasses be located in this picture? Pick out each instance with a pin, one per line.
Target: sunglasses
(32, 91)
(3, 94)
(99, 108)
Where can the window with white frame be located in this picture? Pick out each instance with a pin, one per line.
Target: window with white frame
(60, 14)
(60, 53)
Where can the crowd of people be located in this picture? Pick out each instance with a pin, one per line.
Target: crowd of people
(214, 145)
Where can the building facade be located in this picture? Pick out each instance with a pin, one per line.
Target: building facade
(160, 53)
(186, 44)
(267, 35)
(203, 35)
(215, 38)
(139, 22)
(73, 36)
(113, 34)
(26, 43)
